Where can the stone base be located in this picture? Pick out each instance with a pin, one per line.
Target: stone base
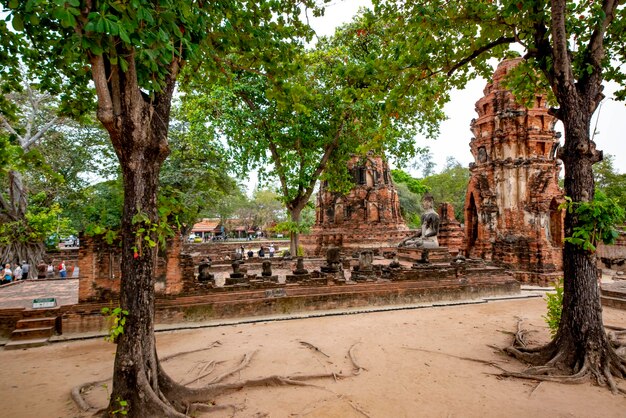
(273, 279)
(540, 279)
(432, 255)
(235, 280)
(295, 278)
(239, 301)
(363, 276)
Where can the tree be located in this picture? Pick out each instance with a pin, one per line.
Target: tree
(450, 186)
(409, 191)
(612, 183)
(571, 48)
(332, 105)
(30, 123)
(133, 53)
(195, 177)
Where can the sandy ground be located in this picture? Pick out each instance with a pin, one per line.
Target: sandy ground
(412, 361)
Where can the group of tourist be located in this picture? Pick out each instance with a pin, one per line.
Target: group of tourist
(18, 272)
(261, 253)
(10, 273)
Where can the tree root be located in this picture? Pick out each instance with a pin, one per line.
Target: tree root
(551, 363)
(357, 367)
(176, 400)
(475, 360)
(214, 344)
(312, 347)
(77, 395)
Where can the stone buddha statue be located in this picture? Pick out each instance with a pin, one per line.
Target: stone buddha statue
(427, 236)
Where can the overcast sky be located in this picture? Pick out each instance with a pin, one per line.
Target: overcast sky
(455, 133)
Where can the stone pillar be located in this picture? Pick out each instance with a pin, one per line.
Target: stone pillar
(451, 235)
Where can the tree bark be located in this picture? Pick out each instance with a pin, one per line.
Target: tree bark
(581, 331)
(138, 128)
(294, 237)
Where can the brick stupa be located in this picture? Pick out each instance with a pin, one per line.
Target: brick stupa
(511, 205)
(366, 218)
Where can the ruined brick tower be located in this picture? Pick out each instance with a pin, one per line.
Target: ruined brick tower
(367, 217)
(511, 206)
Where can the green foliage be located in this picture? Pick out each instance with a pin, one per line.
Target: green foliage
(292, 227)
(450, 185)
(597, 220)
(38, 224)
(410, 205)
(414, 185)
(146, 230)
(122, 407)
(117, 319)
(555, 307)
(609, 181)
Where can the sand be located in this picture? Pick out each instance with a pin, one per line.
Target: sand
(411, 359)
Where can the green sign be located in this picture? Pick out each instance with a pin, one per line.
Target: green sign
(44, 303)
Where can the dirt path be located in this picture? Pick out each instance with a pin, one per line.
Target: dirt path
(411, 357)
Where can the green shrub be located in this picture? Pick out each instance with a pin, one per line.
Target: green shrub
(555, 306)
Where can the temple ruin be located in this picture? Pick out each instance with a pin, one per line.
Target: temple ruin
(512, 214)
(366, 218)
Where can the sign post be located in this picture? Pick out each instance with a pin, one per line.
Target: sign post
(44, 303)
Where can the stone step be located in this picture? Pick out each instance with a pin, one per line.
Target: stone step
(29, 323)
(21, 344)
(613, 293)
(41, 313)
(611, 302)
(32, 333)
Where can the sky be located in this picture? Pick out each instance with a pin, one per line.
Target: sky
(455, 133)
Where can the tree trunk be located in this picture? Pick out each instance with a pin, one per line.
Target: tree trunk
(17, 249)
(138, 128)
(17, 194)
(581, 334)
(294, 238)
(135, 374)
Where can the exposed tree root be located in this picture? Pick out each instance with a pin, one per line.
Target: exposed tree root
(77, 394)
(534, 389)
(553, 363)
(357, 367)
(312, 347)
(475, 360)
(214, 344)
(177, 400)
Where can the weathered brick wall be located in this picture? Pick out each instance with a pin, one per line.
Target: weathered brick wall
(451, 235)
(511, 206)
(100, 270)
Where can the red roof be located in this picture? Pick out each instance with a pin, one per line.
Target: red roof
(206, 225)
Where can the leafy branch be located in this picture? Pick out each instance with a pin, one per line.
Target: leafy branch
(596, 221)
(117, 316)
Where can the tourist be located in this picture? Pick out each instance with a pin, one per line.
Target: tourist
(272, 250)
(7, 274)
(17, 272)
(62, 270)
(50, 271)
(25, 270)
